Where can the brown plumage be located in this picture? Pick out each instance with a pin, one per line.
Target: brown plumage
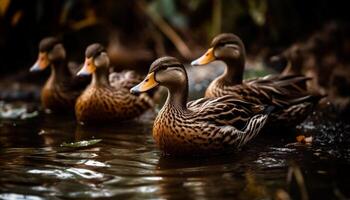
(288, 92)
(324, 56)
(107, 98)
(204, 126)
(62, 88)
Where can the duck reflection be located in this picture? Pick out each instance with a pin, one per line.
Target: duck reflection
(53, 132)
(207, 178)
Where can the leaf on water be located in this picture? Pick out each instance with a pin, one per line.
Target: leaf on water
(83, 143)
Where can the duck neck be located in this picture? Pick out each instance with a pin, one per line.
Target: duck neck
(59, 70)
(177, 96)
(100, 77)
(233, 72)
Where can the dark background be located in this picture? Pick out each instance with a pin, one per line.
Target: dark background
(265, 26)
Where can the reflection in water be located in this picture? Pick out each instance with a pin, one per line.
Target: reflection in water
(127, 164)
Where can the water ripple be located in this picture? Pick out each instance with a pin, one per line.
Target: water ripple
(127, 164)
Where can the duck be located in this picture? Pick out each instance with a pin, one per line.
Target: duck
(299, 59)
(61, 88)
(203, 126)
(288, 92)
(104, 100)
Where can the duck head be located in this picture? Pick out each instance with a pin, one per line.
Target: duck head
(225, 47)
(50, 50)
(96, 58)
(165, 71)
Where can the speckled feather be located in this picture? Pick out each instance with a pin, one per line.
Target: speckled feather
(204, 126)
(270, 90)
(273, 90)
(108, 103)
(107, 98)
(284, 91)
(207, 126)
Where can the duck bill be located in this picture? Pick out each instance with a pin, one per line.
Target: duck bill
(41, 63)
(205, 59)
(88, 67)
(148, 83)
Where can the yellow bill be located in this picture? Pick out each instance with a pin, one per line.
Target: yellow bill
(41, 63)
(148, 83)
(88, 68)
(205, 59)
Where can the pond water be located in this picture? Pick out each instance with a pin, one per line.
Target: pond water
(127, 164)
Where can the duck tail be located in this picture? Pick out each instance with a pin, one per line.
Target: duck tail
(252, 128)
(295, 83)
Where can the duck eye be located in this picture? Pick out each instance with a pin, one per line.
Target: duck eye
(221, 44)
(163, 68)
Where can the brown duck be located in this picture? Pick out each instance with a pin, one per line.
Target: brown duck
(288, 92)
(103, 101)
(61, 89)
(204, 126)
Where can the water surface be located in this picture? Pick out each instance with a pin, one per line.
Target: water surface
(127, 164)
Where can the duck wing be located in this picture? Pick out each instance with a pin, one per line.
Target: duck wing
(272, 90)
(225, 110)
(227, 121)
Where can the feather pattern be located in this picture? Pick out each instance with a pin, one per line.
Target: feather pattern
(107, 98)
(276, 90)
(287, 92)
(208, 125)
(204, 126)
(280, 91)
(109, 103)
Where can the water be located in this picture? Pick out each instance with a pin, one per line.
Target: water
(127, 164)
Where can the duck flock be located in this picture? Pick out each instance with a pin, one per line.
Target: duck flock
(232, 112)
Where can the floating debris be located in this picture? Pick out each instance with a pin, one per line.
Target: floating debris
(83, 143)
(304, 139)
(14, 111)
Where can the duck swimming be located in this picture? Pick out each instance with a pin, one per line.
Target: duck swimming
(61, 89)
(285, 91)
(104, 100)
(204, 126)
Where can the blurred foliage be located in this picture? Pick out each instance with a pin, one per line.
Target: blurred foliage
(257, 10)
(169, 10)
(182, 26)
